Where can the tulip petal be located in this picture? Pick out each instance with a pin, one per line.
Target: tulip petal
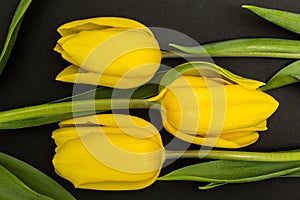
(100, 23)
(244, 109)
(124, 50)
(107, 157)
(64, 135)
(85, 171)
(74, 74)
(116, 123)
(58, 48)
(236, 140)
(99, 50)
(228, 111)
(108, 120)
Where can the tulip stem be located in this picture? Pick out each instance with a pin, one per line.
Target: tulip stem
(54, 112)
(236, 155)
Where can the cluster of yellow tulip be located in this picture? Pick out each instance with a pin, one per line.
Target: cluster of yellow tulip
(99, 152)
(108, 152)
(94, 47)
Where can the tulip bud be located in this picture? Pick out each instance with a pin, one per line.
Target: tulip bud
(108, 152)
(109, 51)
(225, 111)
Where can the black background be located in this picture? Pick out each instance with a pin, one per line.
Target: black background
(29, 80)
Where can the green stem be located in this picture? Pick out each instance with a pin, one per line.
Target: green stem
(236, 155)
(46, 113)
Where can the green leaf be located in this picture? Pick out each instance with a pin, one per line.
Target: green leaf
(12, 188)
(221, 172)
(13, 32)
(32, 178)
(254, 47)
(287, 20)
(295, 174)
(288, 75)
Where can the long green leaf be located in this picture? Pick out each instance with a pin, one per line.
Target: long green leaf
(13, 32)
(221, 172)
(253, 47)
(288, 75)
(13, 188)
(295, 174)
(287, 20)
(33, 179)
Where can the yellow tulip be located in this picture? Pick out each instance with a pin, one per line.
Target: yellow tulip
(108, 51)
(108, 152)
(216, 111)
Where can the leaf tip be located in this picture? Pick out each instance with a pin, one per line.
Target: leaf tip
(173, 45)
(162, 178)
(249, 7)
(246, 6)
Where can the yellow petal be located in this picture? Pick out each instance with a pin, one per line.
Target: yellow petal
(64, 135)
(115, 120)
(110, 51)
(100, 23)
(101, 157)
(229, 115)
(235, 140)
(128, 123)
(85, 171)
(243, 108)
(74, 74)
(58, 47)
(123, 50)
(246, 108)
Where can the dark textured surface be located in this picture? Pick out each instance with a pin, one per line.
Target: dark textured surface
(29, 79)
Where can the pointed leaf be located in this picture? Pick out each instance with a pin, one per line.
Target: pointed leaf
(223, 171)
(13, 188)
(253, 47)
(288, 75)
(287, 20)
(34, 179)
(13, 32)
